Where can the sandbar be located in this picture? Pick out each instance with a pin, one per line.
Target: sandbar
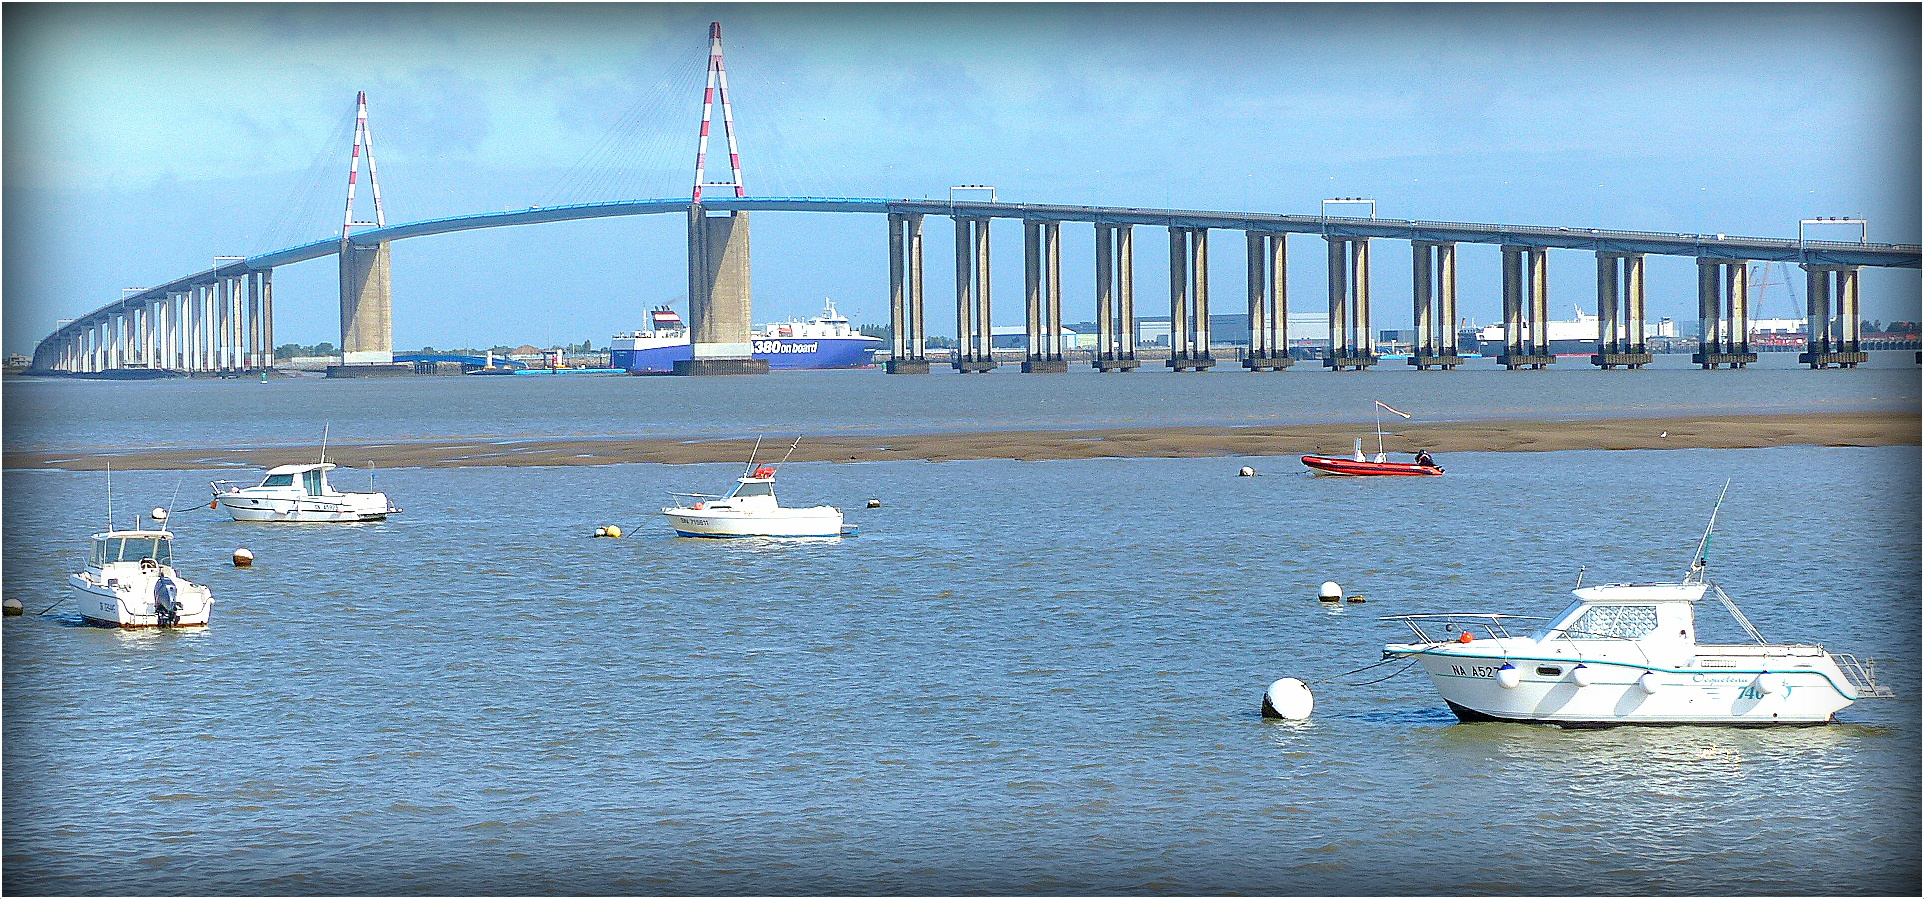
(1440, 438)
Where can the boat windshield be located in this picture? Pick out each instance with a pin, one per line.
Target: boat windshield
(312, 481)
(279, 480)
(754, 488)
(132, 549)
(1613, 622)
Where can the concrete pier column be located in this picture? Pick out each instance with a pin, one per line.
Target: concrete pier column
(1620, 311)
(367, 305)
(1350, 343)
(223, 324)
(1526, 306)
(1266, 256)
(267, 313)
(1721, 314)
(1433, 300)
(1189, 299)
(719, 291)
(1042, 295)
(975, 349)
(906, 353)
(1115, 306)
(1832, 320)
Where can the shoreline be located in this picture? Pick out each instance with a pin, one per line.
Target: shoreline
(1684, 432)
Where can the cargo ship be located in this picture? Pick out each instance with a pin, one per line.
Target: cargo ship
(1578, 337)
(825, 341)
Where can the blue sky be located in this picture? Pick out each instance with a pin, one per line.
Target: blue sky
(143, 140)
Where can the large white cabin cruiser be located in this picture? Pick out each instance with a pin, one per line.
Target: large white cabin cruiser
(1629, 654)
(750, 510)
(299, 493)
(129, 581)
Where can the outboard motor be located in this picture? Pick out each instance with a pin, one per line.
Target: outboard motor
(166, 603)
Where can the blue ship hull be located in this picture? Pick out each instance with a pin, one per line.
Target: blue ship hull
(782, 353)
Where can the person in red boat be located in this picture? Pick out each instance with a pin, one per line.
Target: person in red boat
(1424, 459)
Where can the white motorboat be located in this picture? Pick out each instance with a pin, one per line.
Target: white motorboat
(1628, 654)
(299, 493)
(130, 581)
(750, 510)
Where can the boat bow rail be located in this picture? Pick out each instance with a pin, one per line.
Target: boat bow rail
(1453, 623)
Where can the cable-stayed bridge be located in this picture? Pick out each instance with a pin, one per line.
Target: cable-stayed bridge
(221, 319)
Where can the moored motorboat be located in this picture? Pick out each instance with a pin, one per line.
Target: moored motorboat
(129, 581)
(1359, 465)
(299, 493)
(1629, 654)
(751, 510)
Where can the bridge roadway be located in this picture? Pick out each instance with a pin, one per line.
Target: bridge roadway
(1703, 247)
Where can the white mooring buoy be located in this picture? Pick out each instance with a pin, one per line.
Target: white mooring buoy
(1246, 472)
(1330, 592)
(875, 504)
(14, 607)
(1289, 699)
(243, 558)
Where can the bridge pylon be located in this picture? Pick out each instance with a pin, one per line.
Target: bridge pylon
(718, 259)
(367, 286)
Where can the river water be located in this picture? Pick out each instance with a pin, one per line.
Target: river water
(1038, 677)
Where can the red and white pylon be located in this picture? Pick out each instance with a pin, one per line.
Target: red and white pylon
(362, 136)
(717, 81)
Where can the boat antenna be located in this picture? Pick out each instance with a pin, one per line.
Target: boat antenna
(1702, 560)
(751, 456)
(1378, 409)
(110, 495)
(791, 451)
(324, 426)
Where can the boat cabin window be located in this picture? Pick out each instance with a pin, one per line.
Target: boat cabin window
(279, 480)
(133, 549)
(1614, 623)
(757, 489)
(311, 482)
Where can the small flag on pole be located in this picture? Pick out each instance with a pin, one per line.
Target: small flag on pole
(1387, 406)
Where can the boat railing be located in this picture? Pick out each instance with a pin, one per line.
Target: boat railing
(1455, 623)
(1862, 675)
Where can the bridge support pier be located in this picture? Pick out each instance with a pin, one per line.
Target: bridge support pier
(1351, 345)
(1189, 299)
(1723, 314)
(1433, 277)
(1268, 259)
(1526, 308)
(1115, 299)
(1042, 296)
(907, 348)
(718, 296)
(1834, 326)
(1620, 311)
(975, 348)
(367, 312)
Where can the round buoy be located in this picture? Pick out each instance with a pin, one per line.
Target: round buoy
(1357, 598)
(243, 558)
(1330, 592)
(1288, 698)
(614, 530)
(1580, 676)
(1246, 472)
(601, 532)
(875, 504)
(1464, 637)
(1648, 683)
(159, 514)
(1508, 676)
(13, 607)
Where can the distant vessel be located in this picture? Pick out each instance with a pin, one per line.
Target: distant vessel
(825, 341)
(1359, 465)
(130, 581)
(1574, 337)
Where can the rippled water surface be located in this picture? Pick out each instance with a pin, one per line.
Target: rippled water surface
(1033, 677)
